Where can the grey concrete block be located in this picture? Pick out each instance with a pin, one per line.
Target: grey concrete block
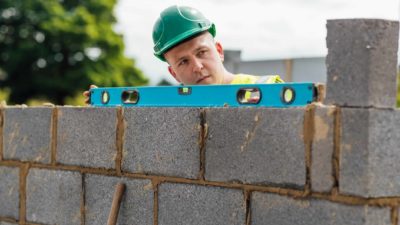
(272, 209)
(260, 146)
(322, 179)
(362, 62)
(53, 197)
(181, 204)
(354, 177)
(162, 141)
(7, 223)
(87, 136)
(27, 134)
(136, 206)
(9, 192)
(370, 152)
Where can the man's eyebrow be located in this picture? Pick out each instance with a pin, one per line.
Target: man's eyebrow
(195, 50)
(200, 47)
(180, 58)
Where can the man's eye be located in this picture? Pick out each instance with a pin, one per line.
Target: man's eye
(202, 52)
(182, 62)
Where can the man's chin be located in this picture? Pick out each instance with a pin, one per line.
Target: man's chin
(206, 81)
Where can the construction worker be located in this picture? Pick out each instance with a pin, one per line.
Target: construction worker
(184, 38)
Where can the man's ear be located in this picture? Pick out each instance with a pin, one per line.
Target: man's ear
(220, 50)
(172, 72)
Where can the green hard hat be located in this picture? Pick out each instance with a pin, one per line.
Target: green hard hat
(176, 24)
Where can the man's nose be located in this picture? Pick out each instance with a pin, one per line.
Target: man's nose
(197, 65)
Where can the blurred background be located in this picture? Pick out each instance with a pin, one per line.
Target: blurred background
(52, 50)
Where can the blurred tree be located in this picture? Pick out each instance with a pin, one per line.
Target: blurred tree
(164, 82)
(53, 49)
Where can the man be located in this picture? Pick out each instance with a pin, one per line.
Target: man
(184, 38)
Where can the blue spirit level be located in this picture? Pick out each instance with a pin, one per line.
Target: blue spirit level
(265, 95)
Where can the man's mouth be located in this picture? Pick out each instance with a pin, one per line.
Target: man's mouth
(201, 79)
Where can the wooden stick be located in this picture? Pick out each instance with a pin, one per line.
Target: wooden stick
(119, 191)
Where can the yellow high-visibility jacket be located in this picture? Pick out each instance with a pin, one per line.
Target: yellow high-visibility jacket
(250, 79)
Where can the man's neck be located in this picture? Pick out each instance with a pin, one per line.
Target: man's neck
(228, 78)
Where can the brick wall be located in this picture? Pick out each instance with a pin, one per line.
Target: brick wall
(321, 164)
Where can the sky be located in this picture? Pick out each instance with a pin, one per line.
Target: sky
(261, 29)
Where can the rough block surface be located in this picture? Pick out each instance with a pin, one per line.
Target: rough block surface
(9, 192)
(370, 152)
(354, 152)
(272, 209)
(7, 223)
(362, 62)
(53, 197)
(260, 146)
(322, 150)
(27, 134)
(136, 206)
(163, 141)
(87, 136)
(199, 205)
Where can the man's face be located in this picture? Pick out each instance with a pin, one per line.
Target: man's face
(197, 61)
